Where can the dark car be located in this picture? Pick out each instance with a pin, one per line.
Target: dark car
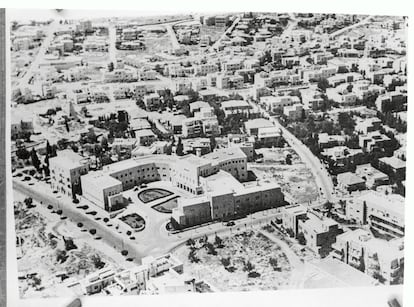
(231, 223)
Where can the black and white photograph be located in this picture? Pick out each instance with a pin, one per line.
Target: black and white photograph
(206, 152)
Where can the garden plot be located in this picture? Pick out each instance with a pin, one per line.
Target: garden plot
(246, 261)
(295, 179)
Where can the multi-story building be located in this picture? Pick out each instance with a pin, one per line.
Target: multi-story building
(236, 107)
(66, 170)
(277, 103)
(295, 112)
(20, 127)
(381, 259)
(291, 215)
(371, 175)
(104, 191)
(384, 213)
(312, 99)
(152, 101)
(192, 127)
(391, 101)
(393, 167)
(252, 126)
(328, 141)
(319, 232)
(350, 182)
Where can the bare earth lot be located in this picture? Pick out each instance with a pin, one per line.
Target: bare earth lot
(43, 236)
(248, 246)
(295, 179)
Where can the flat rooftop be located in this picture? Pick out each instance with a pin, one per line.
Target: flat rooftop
(224, 154)
(394, 202)
(340, 274)
(101, 180)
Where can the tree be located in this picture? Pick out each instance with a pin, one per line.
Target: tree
(97, 261)
(225, 261)
(213, 143)
(248, 266)
(323, 84)
(67, 126)
(190, 242)
(111, 66)
(61, 256)
(180, 148)
(48, 148)
(69, 244)
(301, 238)
(274, 263)
(35, 159)
(361, 266)
(218, 241)
(22, 153)
(192, 256)
(28, 202)
(104, 143)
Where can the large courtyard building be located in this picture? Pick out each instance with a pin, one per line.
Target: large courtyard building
(192, 174)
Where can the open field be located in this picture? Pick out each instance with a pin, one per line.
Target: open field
(295, 179)
(241, 255)
(61, 251)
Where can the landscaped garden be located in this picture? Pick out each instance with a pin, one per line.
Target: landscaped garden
(134, 221)
(246, 261)
(150, 195)
(166, 206)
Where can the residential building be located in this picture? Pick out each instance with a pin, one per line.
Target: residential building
(381, 259)
(373, 177)
(319, 232)
(393, 167)
(350, 182)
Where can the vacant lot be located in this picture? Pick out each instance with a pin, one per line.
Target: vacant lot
(246, 261)
(49, 251)
(295, 178)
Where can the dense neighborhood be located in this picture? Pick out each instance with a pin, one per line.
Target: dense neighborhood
(207, 153)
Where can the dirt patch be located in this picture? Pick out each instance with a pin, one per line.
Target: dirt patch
(246, 261)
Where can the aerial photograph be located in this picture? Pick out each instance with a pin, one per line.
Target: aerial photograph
(201, 152)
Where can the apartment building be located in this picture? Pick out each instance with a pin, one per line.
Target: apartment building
(393, 167)
(291, 215)
(192, 127)
(391, 101)
(327, 141)
(252, 126)
(384, 213)
(381, 259)
(152, 101)
(295, 112)
(373, 177)
(236, 107)
(312, 99)
(277, 103)
(319, 232)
